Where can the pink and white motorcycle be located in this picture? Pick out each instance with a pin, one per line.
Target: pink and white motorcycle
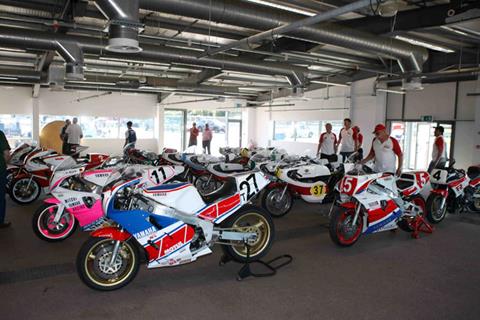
(77, 198)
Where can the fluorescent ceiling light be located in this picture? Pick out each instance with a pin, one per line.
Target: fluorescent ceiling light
(391, 91)
(8, 78)
(282, 7)
(454, 30)
(424, 44)
(11, 49)
(330, 83)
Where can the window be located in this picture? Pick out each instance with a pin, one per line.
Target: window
(106, 127)
(302, 131)
(17, 128)
(174, 127)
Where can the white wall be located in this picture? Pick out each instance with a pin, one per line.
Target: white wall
(438, 100)
(308, 109)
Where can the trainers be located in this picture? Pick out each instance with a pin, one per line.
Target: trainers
(5, 225)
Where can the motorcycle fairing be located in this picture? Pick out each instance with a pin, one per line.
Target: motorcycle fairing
(382, 212)
(475, 182)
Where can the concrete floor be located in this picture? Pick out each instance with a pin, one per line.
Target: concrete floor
(384, 276)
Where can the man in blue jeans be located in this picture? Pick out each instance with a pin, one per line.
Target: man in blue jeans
(4, 158)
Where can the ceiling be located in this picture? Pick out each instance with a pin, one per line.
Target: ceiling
(449, 30)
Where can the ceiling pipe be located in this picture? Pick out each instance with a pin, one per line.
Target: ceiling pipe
(291, 27)
(69, 50)
(124, 24)
(20, 38)
(22, 76)
(239, 13)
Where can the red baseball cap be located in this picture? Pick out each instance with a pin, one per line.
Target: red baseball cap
(379, 127)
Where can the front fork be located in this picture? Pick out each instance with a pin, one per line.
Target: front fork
(115, 252)
(357, 214)
(59, 214)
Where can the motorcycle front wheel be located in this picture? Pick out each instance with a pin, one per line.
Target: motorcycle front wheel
(45, 227)
(207, 185)
(96, 268)
(255, 220)
(341, 230)
(275, 204)
(435, 213)
(23, 191)
(475, 205)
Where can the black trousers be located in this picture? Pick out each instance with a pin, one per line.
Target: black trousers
(345, 155)
(3, 182)
(206, 146)
(329, 157)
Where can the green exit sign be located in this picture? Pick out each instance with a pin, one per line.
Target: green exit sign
(426, 118)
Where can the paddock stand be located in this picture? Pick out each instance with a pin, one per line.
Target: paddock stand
(419, 224)
(270, 265)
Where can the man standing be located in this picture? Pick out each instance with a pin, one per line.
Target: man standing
(346, 140)
(4, 158)
(64, 137)
(439, 152)
(75, 134)
(327, 144)
(207, 138)
(193, 135)
(384, 150)
(358, 138)
(130, 135)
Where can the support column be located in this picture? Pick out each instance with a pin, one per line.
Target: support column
(36, 119)
(476, 139)
(160, 118)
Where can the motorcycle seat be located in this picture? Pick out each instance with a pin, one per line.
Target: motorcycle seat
(404, 184)
(230, 168)
(473, 172)
(295, 176)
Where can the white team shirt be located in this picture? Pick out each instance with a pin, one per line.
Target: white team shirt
(385, 154)
(328, 141)
(439, 141)
(348, 144)
(74, 133)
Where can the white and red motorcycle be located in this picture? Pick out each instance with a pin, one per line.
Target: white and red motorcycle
(372, 202)
(454, 191)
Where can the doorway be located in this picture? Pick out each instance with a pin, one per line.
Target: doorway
(174, 129)
(234, 133)
(416, 140)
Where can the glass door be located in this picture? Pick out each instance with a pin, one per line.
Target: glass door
(174, 129)
(416, 140)
(234, 133)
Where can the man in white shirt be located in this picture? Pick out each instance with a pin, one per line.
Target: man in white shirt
(439, 152)
(346, 139)
(384, 150)
(327, 144)
(75, 134)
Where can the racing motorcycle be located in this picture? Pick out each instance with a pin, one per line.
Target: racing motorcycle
(34, 176)
(77, 199)
(373, 202)
(454, 191)
(170, 225)
(17, 159)
(312, 180)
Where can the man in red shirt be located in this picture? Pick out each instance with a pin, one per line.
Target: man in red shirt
(439, 152)
(358, 138)
(384, 150)
(193, 135)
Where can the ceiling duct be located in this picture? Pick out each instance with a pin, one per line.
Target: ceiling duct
(239, 13)
(28, 39)
(123, 25)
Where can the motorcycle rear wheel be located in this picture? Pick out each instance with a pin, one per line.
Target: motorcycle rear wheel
(45, 228)
(341, 233)
(435, 214)
(94, 269)
(250, 219)
(207, 185)
(21, 195)
(276, 206)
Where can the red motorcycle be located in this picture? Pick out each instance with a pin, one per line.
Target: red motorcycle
(34, 175)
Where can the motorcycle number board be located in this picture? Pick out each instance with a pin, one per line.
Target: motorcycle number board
(439, 176)
(318, 190)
